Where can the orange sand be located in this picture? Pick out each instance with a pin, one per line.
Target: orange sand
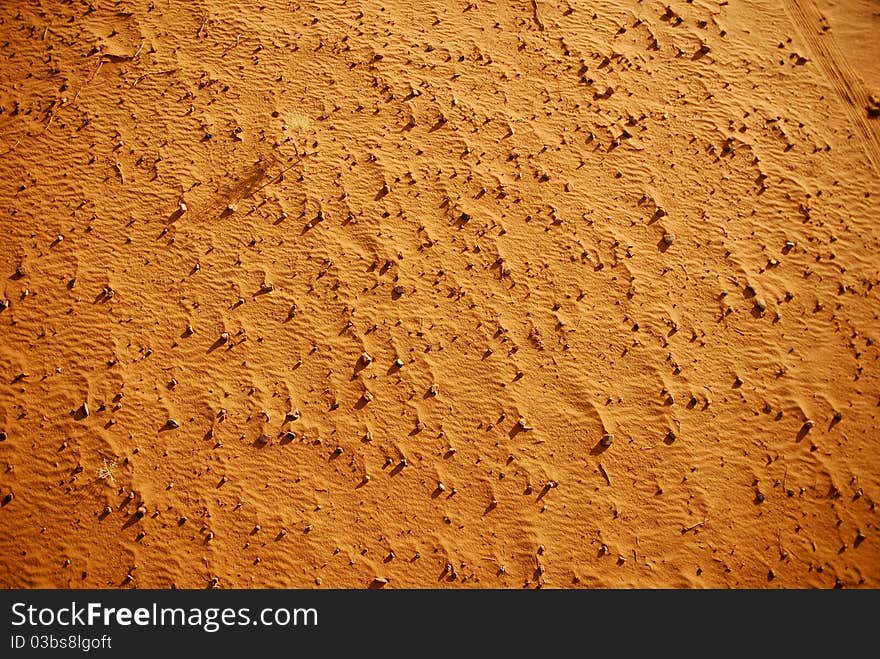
(566, 219)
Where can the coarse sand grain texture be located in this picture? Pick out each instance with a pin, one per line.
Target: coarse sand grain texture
(447, 294)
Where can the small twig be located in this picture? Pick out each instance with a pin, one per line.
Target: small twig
(118, 169)
(97, 69)
(202, 27)
(152, 73)
(278, 176)
(604, 473)
(235, 45)
(12, 148)
(693, 526)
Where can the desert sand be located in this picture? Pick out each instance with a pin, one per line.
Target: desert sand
(362, 293)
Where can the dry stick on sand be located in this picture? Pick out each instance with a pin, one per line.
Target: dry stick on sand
(685, 529)
(604, 473)
(278, 176)
(152, 73)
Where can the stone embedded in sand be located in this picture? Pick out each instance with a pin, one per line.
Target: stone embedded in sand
(172, 383)
(267, 287)
(209, 536)
(367, 396)
(399, 290)
(607, 440)
(4, 304)
(20, 271)
(262, 440)
(433, 390)
(107, 510)
(522, 425)
(172, 423)
(224, 338)
(338, 451)
(83, 410)
(182, 207)
(140, 512)
(3, 436)
(670, 436)
(668, 238)
(189, 331)
(760, 305)
(365, 359)
(292, 415)
(398, 363)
